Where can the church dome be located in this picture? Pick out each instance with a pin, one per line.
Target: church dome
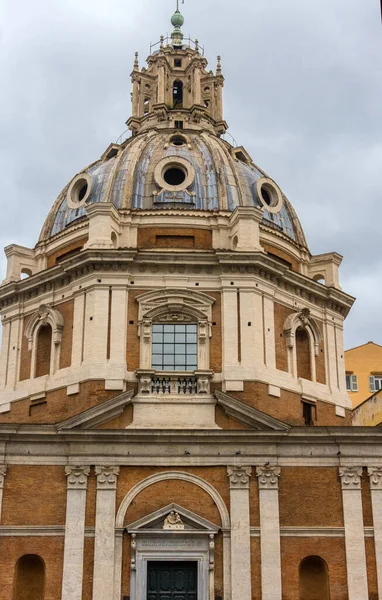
(168, 170)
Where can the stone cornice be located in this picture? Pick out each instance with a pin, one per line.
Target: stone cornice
(228, 262)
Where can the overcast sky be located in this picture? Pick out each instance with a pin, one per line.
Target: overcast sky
(303, 94)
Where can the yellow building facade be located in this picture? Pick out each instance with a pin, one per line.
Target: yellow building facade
(369, 412)
(363, 371)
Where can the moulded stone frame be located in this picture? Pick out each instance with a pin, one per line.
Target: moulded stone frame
(293, 322)
(171, 305)
(274, 191)
(138, 589)
(45, 315)
(164, 476)
(174, 161)
(75, 186)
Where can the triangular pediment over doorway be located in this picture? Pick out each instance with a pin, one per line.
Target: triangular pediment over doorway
(254, 418)
(155, 521)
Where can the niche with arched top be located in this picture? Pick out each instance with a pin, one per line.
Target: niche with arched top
(314, 579)
(43, 350)
(29, 583)
(303, 354)
(114, 239)
(177, 94)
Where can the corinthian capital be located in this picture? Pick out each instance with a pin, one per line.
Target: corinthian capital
(3, 471)
(351, 478)
(375, 474)
(239, 477)
(77, 477)
(268, 477)
(107, 477)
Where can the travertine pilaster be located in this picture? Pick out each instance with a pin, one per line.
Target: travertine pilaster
(77, 481)
(103, 579)
(3, 472)
(351, 478)
(268, 481)
(375, 475)
(240, 532)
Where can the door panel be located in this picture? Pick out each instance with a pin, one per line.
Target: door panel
(172, 580)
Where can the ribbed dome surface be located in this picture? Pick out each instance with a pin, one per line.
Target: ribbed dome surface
(220, 180)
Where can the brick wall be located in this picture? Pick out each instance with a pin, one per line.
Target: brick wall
(58, 406)
(87, 587)
(216, 348)
(67, 311)
(331, 550)
(371, 569)
(132, 338)
(283, 255)
(28, 493)
(303, 354)
(310, 497)
(281, 313)
(255, 568)
(320, 361)
(43, 350)
(50, 549)
(288, 407)
(216, 476)
(65, 251)
(166, 237)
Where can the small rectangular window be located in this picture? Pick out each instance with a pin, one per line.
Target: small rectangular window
(178, 124)
(351, 382)
(177, 62)
(377, 382)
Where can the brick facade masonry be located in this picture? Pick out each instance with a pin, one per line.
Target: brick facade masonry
(167, 237)
(308, 497)
(288, 407)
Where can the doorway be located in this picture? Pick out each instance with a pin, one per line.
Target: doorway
(172, 580)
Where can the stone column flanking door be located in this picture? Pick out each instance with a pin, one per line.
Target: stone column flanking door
(351, 479)
(3, 472)
(375, 475)
(240, 532)
(77, 482)
(103, 577)
(268, 481)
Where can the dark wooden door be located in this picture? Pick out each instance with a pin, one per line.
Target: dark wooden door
(172, 581)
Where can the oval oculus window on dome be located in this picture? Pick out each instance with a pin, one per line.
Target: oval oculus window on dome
(178, 140)
(269, 195)
(174, 176)
(79, 190)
